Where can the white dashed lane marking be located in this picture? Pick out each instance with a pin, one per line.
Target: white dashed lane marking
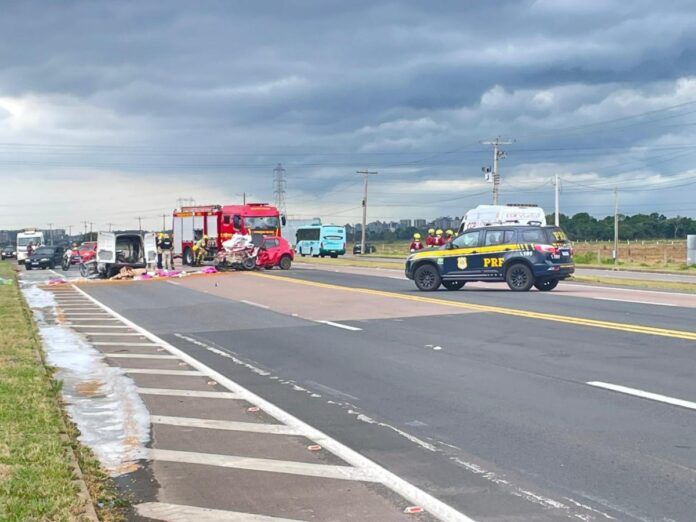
(644, 394)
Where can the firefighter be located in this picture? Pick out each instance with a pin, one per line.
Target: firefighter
(416, 243)
(159, 250)
(439, 239)
(201, 248)
(430, 240)
(449, 236)
(166, 247)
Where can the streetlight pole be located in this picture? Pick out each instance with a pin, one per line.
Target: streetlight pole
(366, 173)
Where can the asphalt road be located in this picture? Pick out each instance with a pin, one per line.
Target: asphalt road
(605, 272)
(484, 407)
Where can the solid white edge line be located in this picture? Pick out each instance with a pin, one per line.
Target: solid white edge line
(643, 394)
(400, 486)
(343, 326)
(182, 513)
(171, 392)
(290, 467)
(213, 424)
(252, 303)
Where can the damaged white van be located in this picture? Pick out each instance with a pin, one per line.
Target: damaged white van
(118, 249)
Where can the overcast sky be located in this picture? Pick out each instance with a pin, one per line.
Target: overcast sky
(113, 110)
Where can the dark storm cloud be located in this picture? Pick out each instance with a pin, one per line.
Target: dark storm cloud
(350, 77)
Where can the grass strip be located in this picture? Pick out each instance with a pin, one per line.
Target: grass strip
(602, 280)
(37, 440)
(674, 286)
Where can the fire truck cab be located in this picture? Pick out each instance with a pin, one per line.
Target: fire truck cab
(219, 223)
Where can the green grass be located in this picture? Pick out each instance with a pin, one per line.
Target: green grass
(37, 479)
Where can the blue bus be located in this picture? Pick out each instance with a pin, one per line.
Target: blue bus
(321, 240)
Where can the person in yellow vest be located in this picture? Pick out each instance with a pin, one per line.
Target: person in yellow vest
(201, 249)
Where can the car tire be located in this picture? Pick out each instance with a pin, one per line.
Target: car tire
(453, 285)
(519, 277)
(427, 278)
(334, 256)
(546, 285)
(285, 263)
(187, 258)
(27, 267)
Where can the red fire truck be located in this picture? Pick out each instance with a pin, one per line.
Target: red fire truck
(219, 222)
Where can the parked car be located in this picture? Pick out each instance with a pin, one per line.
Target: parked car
(275, 251)
(369, 248)
(87, 250)
(8, 252)
(521, 255)
(123, 249)
(45, 257)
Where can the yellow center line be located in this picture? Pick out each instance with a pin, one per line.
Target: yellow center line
(577, 321)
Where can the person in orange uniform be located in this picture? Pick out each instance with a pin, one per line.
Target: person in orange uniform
(416, 244)
(439, 238)
(430, 240)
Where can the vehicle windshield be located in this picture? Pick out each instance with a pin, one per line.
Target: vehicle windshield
(262, 223)
(87, 246)
(44, 251)
(24, 241)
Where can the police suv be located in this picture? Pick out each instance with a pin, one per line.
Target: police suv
(521, 255)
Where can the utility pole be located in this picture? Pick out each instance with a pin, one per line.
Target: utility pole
(84, 234)
(164, 222)
(616, 227)
(69, 227)
(110, 225)
(367, 174)
(50, 233)
(244, 198)
(140, 223)
(557, 186)
(279, 188)
(91, 225)
(495, 174)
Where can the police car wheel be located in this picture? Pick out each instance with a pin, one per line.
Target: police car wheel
(427, 278)
(453, 285)
(546, 285)
(519, 278)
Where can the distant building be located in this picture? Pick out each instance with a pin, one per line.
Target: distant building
(419, 223)
(405, 223)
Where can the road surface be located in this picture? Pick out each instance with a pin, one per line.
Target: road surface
(576, 404)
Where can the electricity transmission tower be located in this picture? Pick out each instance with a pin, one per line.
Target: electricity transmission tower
(279, 188)
(494, 175)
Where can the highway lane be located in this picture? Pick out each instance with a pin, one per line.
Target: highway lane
(513, 427)
(620, 273)
(620, 305)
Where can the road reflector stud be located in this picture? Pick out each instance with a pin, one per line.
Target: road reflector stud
(252, 409)
(212, 383)
(411, 510)
(314, 447)
(182, 364)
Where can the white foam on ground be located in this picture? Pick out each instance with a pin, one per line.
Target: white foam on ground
(100, 399)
